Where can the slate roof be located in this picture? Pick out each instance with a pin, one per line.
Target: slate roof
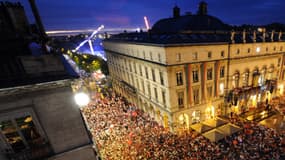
(189, 23)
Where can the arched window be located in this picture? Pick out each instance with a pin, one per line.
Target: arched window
(255, 78)
(236, 80)
(245, 78)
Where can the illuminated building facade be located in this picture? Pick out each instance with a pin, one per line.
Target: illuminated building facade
(38, 115)
(193, 67)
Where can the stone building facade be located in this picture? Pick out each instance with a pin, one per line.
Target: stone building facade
(193, 67)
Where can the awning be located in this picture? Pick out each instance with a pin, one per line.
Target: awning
(229, 129)
(214, 135)
(201, 128)
(216, 122)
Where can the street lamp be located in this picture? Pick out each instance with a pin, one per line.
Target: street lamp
(81, 99)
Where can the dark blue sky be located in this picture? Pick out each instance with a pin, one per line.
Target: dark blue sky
(88, 14)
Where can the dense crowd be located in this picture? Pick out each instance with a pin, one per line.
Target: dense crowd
(123, 132)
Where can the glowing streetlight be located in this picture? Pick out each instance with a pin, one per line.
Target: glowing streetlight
(81, 99)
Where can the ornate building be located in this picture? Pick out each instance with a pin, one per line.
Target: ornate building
(192, 67)
(38, 116)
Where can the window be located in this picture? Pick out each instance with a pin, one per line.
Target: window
(163, 97)
(238, 51)
(209, 54)
(161, 78)
(221, 88)
(143, 54)
(209, 92)
(130, 66)
(21, 134)
(195, 56)
(196, 96)
(274, 48)
(222, 53)
(153, 74)
(195, 76)
(178, 57)
(248, 50)
(209, 74)
(135, 67)
(266, 49)
(222, 72)
(159, 57)
(179, 78)
(140, 70)
(150, 54)
(143, 89)
(155, 94)
(137, 83)
(236, 79)
(148, 89)
(257, 49)
(180, 99)
(146, 72)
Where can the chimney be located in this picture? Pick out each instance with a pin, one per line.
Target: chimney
(279, 36)
(244, 36)
(272, 36)
(254, 36)
(38, 20)
(203, 8)
(176, 12)
(233, 36)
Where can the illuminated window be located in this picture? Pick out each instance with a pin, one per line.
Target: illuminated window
(21, 134)
(257, 49)
(222, 88)
(245, 79)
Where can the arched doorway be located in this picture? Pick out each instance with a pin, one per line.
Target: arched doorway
(165, 121)
(183, 121)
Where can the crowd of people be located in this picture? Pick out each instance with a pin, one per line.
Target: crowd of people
(123, 132)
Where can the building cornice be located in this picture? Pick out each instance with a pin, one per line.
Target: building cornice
(34, 87)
